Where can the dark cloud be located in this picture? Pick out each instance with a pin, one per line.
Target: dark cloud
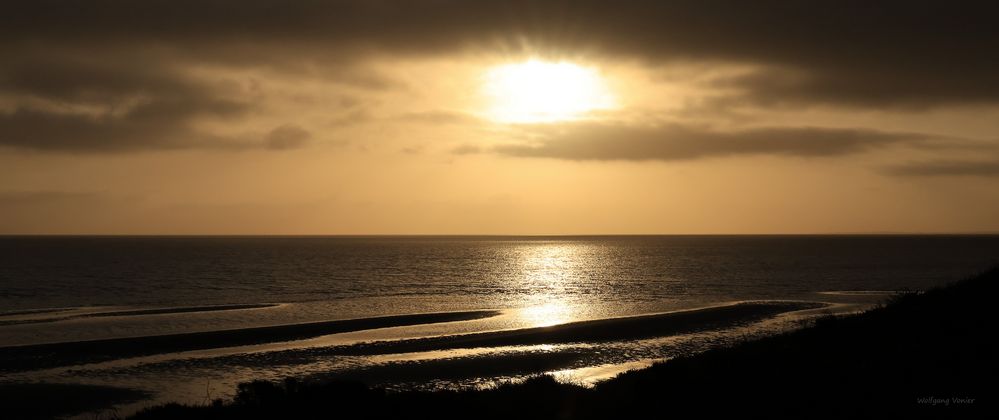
(99, 103)
(288, 136)
(130, 60)
(47, 131)
(159, 125)
(859, 87)
(855, 53)
(683, 142)
(982, 168)
(73, 76)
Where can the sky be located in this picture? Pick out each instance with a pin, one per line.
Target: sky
(498, 117)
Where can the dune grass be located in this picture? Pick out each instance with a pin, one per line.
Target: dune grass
(919, 355)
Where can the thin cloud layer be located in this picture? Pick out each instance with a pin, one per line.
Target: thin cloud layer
(604, 142)
(975, 168)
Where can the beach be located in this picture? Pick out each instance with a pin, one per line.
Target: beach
(919, 354)
(409, 363)
(581, 311)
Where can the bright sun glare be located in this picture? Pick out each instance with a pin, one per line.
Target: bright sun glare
(538, 91)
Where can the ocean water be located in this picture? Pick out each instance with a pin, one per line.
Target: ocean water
(320, 278)
(43, 272)
(61, 289)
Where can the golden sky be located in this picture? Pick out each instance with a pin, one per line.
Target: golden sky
(488, 117)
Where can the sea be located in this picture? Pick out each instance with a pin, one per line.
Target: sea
(57, 289)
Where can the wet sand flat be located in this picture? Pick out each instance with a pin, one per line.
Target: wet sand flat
(133, 312)
(600, 330)
(33, 357)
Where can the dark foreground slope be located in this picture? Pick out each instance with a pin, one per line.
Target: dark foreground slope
(920, 355)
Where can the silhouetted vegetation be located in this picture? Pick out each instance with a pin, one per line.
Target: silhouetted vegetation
(926, 354)
(46, 401)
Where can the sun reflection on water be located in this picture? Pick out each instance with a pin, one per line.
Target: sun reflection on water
(549, 270)
(548, 314)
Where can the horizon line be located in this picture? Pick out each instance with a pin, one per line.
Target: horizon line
(470, 235)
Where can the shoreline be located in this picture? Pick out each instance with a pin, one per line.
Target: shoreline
(25, 358)
(883, 362)
(583, 339)
(500, 353)
(590, 331)
(42, 356)
(19, 320)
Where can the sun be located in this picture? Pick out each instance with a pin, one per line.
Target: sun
(537, 91)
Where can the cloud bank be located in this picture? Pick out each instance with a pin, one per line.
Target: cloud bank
(849, 52)
(672, 142)
(115, 75)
